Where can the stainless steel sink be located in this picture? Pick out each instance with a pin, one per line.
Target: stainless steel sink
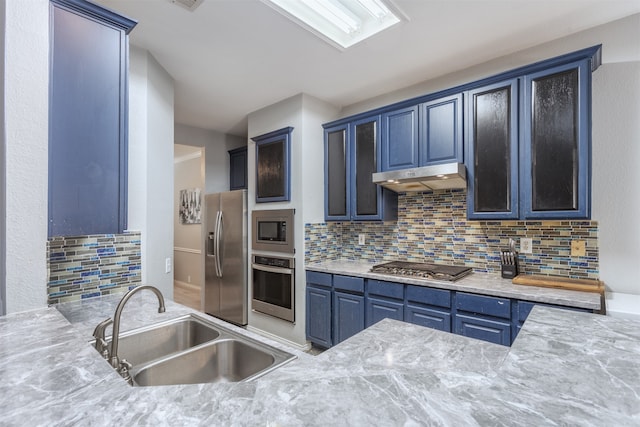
(193, 350)
(227, 360)
(164, 339)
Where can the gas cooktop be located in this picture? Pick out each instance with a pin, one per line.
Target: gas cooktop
(449, 273)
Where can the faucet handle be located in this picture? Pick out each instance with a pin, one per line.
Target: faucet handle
(98, 332)
(101, 342)
(124, 369)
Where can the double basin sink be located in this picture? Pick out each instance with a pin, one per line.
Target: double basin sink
(193, 350)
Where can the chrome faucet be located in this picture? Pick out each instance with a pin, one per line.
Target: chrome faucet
(115, 361)
(111, 354)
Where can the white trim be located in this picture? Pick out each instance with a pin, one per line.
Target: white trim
(190, 156)
(187, 250)
(626, 306)
(281, 340)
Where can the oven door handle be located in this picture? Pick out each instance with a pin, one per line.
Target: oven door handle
(277, 270)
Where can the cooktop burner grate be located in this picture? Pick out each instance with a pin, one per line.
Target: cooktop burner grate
(424, 270)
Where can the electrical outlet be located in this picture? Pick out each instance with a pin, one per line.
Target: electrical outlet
(526, 245)
(578, 248)
(167, 265)
(188, 279)
(361, 239)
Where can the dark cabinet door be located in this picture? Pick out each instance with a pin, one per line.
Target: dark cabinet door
(492, 163)
(87, 121)
(555, 144)
(441, 131)
(400, 139)
(336, 174)
(348, 315)
(366, 196)
(238, 169)
(318, 307)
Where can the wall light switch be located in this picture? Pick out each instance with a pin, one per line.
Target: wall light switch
(167, 265)
(526, 245)
(578, 248)
(361, 239)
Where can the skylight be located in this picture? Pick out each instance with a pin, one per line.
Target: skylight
(342, 23)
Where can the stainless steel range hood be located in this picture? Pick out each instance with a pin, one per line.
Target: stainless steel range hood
(438, 177)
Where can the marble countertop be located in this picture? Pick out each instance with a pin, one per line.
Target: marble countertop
(482, 283)
(565, 368)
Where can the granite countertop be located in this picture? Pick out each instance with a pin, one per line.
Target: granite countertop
(482, 283)
(565, 368)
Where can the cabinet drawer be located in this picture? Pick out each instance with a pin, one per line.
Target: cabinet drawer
(491, 306)
(317, 278)
(493, 331)
(428, 317)
(385, 289)
(429, 296)
(378, 309)
(349, 283)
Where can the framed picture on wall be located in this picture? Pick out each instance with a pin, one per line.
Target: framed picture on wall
(273, 155)
(190, 206)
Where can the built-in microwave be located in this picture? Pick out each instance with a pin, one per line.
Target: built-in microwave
(272, 230)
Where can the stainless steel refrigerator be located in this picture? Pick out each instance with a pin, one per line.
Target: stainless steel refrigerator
(225, 261)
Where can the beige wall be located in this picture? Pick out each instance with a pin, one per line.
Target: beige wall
(188, 174)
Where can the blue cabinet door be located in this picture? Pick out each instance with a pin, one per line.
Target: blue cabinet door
(337, 173)
(492, 146)
(87, 120)
(379, 308)
(318, 306)
(441, 134)
(555, 163)
(366, 197)
(238, 169)
(428, 316)
(495, 331)
(400, 139)
(348, 315)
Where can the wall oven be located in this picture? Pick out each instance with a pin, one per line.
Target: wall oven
(272, 230)
(274, 286)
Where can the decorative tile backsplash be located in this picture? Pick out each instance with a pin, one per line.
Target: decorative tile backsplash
(89, 266)
(433, 227)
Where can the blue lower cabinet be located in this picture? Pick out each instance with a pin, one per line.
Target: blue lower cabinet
(348, 315)
(318, 306)
(378, 309)
(428, 317)
(495, 331)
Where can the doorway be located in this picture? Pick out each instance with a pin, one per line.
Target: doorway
(189, 183)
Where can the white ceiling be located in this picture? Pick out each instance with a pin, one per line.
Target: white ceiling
(232, 57)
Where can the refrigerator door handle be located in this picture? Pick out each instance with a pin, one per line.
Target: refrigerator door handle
(220, 253)
(217, 244)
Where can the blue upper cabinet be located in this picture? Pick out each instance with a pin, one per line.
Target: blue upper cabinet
(556, 143)
(425, 134)
(337, 169)
(492, 151)
(87, 119)
(441, 131)
(400, 139)
(352, 155)
(238, 169)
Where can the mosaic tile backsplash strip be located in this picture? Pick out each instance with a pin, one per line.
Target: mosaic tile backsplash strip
(433, 227)
(90, 266)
